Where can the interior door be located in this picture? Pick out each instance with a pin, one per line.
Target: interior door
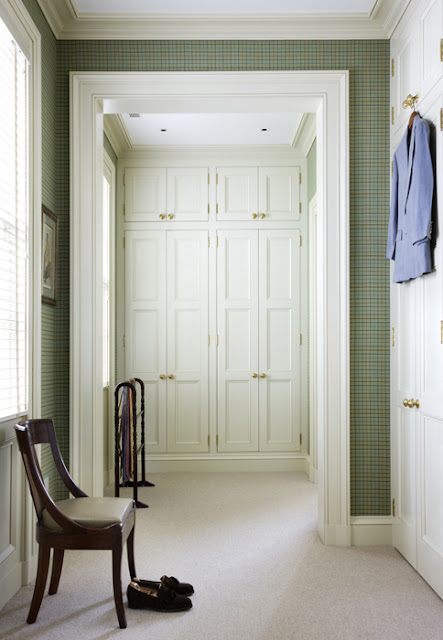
(145, 194)
(279, 343)
(187, 193)
(145, 326)
(187, 380)
(430, 394)
(404, 418)
(237, 322)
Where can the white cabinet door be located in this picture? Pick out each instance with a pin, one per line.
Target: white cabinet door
(187, 341)
(188, 194)
(404, 419)
(237, 313)
(279, 345)
(145, 194)
(430, 393)
(237, 193)
(145, 326)
(279, 193)
(431, 32)
(404, 51)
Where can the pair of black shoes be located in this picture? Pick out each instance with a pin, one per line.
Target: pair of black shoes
(166, 595)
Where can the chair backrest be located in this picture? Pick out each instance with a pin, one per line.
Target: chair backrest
(30, 433)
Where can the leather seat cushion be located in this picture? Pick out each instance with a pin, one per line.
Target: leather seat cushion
(91, 512)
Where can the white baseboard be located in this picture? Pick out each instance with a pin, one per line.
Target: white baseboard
(10, 584)
(371, 531)
(224, 464)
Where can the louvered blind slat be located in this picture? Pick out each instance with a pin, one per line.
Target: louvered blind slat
(14, 214)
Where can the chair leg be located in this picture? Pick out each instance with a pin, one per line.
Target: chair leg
(116, 578)
(130, 548)
(57, 563)
(40, 582)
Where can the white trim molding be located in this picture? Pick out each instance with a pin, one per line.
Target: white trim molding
(69, 24)
(326, 94)
(371, 531)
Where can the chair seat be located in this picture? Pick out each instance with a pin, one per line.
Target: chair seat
(91, 512)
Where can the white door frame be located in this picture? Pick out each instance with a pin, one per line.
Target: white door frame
(324, 92)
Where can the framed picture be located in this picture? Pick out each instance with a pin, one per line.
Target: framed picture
(49, 256)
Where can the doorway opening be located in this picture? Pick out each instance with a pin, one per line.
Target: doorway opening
(322, 93)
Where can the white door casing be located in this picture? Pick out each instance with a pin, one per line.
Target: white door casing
(326, 94)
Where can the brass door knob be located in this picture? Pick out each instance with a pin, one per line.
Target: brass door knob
(162, 216)
(263, 375)
(254, 375)
(162, 376)
(171, 376)
(411, 403)
(170, 216)
(417, 404)
(254, 215)
(405, 402)
(262, 215)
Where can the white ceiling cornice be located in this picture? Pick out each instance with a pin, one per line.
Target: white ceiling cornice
(68, 24)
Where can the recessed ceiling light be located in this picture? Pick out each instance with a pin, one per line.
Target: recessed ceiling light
(264, 129)
(162, 129)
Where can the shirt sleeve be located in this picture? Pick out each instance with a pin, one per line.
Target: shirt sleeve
(423, 164)
(393, 214)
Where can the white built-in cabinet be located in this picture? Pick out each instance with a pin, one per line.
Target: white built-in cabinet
(417, 316)
(258, 311)
(215, 303)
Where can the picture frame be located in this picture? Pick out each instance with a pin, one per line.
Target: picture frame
(49, 256)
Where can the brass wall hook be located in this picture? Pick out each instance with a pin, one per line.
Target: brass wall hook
(410, 101)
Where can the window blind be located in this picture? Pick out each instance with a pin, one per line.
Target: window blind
(14, 214)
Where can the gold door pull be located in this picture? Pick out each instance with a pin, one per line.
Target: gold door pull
(170, 216)
(254, 375)
(263, 375)
(254, 215)
(162, 216)
(162, 376)
(171, 376)
(405, 402)
(411, 403)
(262, 215)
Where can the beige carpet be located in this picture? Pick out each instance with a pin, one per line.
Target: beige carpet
(248, 543)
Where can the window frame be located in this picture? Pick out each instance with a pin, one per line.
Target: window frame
(27, 36)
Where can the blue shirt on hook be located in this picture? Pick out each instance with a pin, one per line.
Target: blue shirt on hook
(410, 218)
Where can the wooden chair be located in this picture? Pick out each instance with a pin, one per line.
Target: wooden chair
(79, 523)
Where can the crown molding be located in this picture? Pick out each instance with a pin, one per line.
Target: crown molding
(116, 132)
(68, 24)
(306, 133)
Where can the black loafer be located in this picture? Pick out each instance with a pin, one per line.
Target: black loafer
(183, 588)
(161, 599)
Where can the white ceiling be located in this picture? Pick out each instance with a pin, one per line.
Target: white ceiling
(211, 128)
(227, 6)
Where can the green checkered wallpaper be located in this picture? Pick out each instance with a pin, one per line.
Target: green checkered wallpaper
(368, 63)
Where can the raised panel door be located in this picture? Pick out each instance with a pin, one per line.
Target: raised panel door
(145, 326)
(404, 419)
(237, 322)
(431, 32)
(279, 344)
(187, 341)
(406, 81)
(145, 194)
(279, 193)
(237, 197)
(187, 193)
